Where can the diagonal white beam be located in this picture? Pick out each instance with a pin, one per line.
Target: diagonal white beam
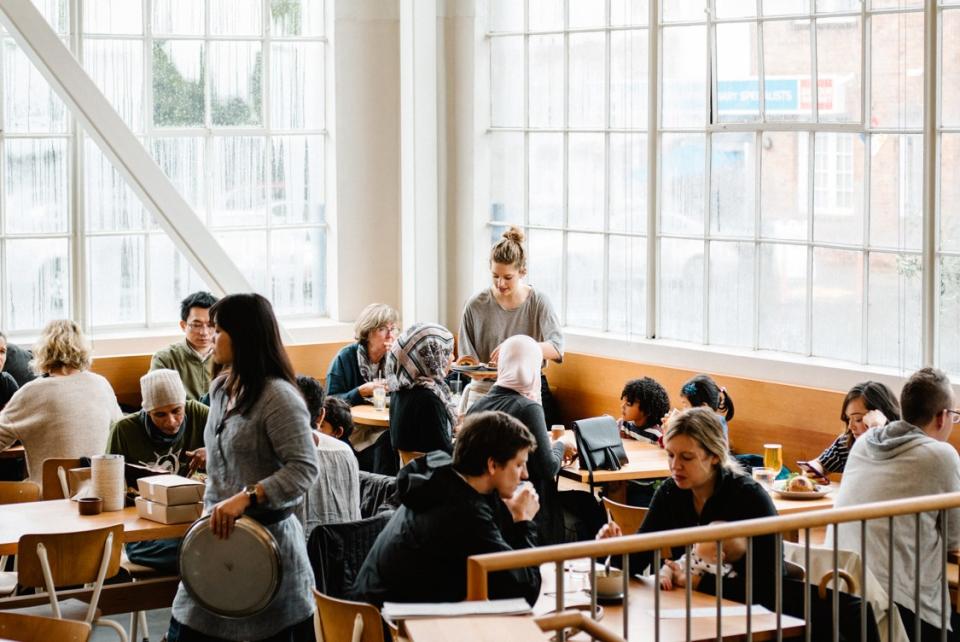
(102, 123)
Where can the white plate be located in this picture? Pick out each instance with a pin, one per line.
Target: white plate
(821, 491)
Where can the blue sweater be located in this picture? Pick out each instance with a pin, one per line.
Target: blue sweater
(343, 376)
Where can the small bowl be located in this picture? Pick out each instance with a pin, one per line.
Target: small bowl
(609, 585)
(90, 505)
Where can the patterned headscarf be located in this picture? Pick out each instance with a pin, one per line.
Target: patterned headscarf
(518, 366)
(421, 356)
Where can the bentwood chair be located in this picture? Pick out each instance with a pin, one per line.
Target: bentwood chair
(50, 560)
(628, 518)
(54, 483)
(14, 493)
(346, 620)
(32, 628)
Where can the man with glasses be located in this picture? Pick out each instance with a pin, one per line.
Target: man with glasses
(908, 458)
(192, 356)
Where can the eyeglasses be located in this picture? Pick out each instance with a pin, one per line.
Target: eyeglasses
(954, 415)
(199, 326)
(388, 329)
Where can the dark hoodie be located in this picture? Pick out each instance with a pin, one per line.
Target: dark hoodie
(421, 555)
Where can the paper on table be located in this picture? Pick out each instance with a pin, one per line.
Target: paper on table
(710, 611)
(406, 611)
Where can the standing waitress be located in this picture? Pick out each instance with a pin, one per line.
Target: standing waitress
(260, 462)
(508, 308)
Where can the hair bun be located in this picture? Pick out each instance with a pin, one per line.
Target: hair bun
(514, 234)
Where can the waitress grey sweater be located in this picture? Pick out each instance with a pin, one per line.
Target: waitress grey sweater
(893, 462)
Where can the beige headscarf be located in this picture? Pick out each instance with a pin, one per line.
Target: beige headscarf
(518, 366)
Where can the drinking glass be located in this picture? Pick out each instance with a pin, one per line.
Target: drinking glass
(773, 457)
(379, 396)
(764, 476)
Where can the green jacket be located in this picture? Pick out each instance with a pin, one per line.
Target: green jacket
(131, 438)
(195, 372)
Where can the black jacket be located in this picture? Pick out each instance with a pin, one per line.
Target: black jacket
(421, 555)
(543, 464)
(419, 421)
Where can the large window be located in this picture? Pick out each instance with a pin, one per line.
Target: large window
(229, 98)
(788, 171)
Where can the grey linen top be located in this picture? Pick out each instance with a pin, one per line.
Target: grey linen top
(335, 496)
(485, 324)
(270, 445)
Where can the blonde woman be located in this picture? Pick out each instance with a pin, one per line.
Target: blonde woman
(354, 369)
(68, 410)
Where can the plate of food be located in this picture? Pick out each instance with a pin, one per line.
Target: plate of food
(800, 487)
(477, 367)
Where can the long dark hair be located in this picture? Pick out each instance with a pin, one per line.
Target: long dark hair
(701, 390)
(258, 352)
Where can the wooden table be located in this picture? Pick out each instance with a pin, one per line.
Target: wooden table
(792, 506)
(641, 622)
(645, 461)
(366, 415)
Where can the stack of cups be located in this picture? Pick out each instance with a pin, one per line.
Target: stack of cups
(108, 481)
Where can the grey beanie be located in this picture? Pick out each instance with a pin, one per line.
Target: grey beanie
(161, 388)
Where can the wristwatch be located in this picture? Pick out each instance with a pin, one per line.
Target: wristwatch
(251, 491)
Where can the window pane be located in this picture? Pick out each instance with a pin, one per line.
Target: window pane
(116, 66)
(950, 191)
(585, 281)
(586, 193)
(545, 14)
(950, 68)
(236, 81)
(112, 16)
(629, 12)
(783, 307)
(235, 17)
(297, 85)
(949, 338)
(677, 10)
(627, 286)
(546, 179)
(786, 68)
(182, 160)
(682, 184)
(505, 15)
(116, 280)
(738, 88)
(785, 7)
(506, 82)
(824, 6)
(731, 293)
(681, 290)
(896, 190)
(628, 183)
(733, 172)
(628, 79)
(171, 279)
(896, 70)
(37, 192)
(585, 14)
(783, 185)
(239, 194)
(895, 4)
(894, 309)
(297, 192)
(837, 304)
(545, 254)
(298, 271)
(110, 205)
(297, 17)
(545, 95)
(587, 73)
(183, 17)
(838, 69)
(838, 188)
(736, 8)
(29, 104)
(506, 176)
(178, 77)
(684, 70)
(38, 282)
(248, 249)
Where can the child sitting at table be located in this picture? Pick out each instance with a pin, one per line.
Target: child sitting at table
(337, 419)
(701, 390)
(703, 559)
(642, 403)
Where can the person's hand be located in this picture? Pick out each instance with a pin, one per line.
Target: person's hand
(667, 572)
(608, 530)
(492, 360)
(569, 449)
(524, 504)
(225, 513)
(874, 419)
(198, 460)
(366, 390)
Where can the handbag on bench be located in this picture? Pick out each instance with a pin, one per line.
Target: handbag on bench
(599, 444)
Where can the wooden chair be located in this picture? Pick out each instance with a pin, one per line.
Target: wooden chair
(14, 493)
(406, 456)
(52, 485)
(31, 628)
(50, 560)
(345, 620)
(629, 519)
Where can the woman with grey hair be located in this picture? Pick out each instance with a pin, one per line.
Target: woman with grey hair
(355, 368)
(707, 485)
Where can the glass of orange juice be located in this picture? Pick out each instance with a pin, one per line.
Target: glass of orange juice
(773, 457)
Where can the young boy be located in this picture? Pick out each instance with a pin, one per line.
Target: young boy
(337, 421)
(642, 403)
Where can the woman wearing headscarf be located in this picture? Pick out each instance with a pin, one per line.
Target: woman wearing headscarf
(517, 393)
(421, 408)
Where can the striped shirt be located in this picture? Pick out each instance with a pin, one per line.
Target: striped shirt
(834, 458)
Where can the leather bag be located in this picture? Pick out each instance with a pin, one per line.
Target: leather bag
(599, 444)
